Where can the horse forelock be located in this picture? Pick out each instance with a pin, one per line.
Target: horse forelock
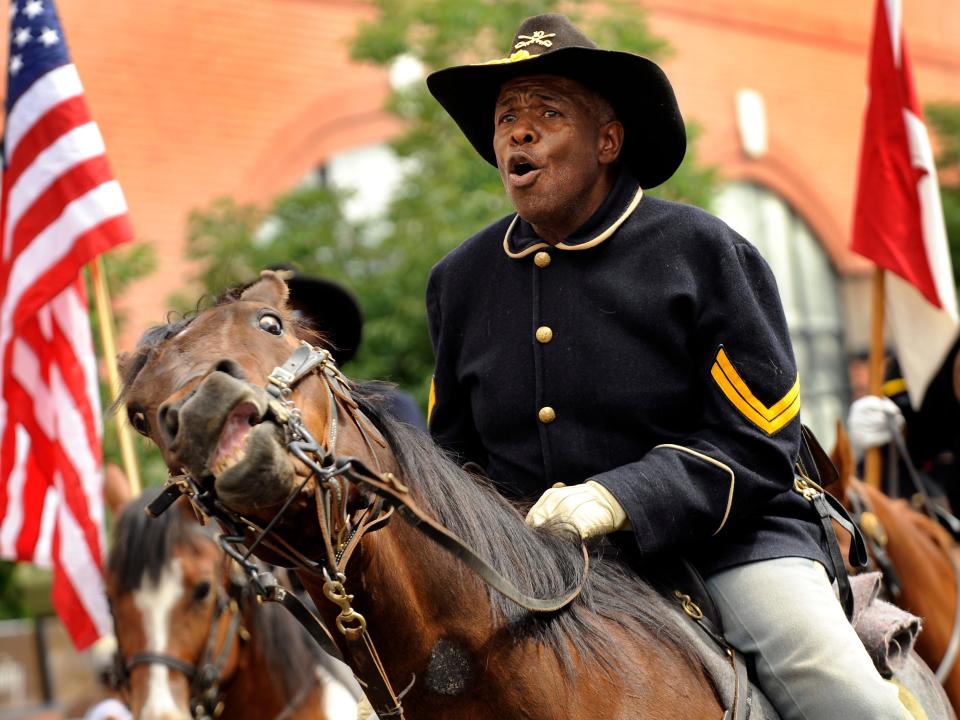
(539, 562)
(143, 546)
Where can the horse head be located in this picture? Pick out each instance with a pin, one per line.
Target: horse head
(198, 389)
(176, 614)
(192, 642)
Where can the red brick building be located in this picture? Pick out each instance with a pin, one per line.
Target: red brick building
(244, 97)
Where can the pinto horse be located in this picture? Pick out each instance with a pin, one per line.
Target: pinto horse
(918, 555)
(191, 638)
(366, 515)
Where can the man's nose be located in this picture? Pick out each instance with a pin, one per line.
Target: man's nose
(523, 132)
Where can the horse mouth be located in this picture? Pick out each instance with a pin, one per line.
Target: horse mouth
(231, 447)
(250, 465)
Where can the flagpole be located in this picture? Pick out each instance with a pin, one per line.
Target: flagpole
(102, 296)
(872, 459)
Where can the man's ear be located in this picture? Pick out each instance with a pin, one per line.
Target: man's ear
(610, 142)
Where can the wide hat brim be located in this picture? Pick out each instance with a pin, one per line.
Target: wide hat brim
(655, 139)
(330, 309)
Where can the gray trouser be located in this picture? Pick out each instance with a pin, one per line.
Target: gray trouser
(810, 662)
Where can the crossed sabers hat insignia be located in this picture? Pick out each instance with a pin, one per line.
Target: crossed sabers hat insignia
(539, 37)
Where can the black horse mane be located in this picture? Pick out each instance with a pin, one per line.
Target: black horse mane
(143, 545)
(541, 562)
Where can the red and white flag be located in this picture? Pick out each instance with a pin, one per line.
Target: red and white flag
(898, 220)
(60, 209)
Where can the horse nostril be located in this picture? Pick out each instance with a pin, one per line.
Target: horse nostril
(169, 417)
(231, 368)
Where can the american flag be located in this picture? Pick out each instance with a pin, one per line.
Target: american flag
(60, 209)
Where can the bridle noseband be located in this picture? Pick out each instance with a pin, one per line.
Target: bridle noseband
(341, 534)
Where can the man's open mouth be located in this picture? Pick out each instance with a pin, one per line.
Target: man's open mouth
(522, 172)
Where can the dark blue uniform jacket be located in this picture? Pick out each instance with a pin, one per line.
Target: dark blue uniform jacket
(648, 352)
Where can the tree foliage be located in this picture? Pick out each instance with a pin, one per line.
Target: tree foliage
(945, 121)
(447, 194)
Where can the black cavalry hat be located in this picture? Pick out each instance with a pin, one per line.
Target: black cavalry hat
(654, 136)
(327, 307)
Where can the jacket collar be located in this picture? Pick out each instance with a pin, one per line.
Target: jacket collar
(521, 239)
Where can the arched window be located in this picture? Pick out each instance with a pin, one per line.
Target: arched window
(810, 292)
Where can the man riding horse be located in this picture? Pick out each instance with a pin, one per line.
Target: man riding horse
(633, 354)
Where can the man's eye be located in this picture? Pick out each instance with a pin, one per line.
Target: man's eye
(271, 323)
(551, 113)
(507, 118)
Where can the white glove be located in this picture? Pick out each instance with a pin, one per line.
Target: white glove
(588, 509)
(869, 422)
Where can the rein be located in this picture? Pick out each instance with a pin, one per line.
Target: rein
(341, 534)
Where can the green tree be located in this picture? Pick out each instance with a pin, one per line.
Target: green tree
(945, 121)
(447, 194)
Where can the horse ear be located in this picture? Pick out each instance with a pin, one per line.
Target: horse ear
(270, 289)
(123, 363)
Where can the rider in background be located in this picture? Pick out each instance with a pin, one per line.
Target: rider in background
(931, 433)
(635, 351)
(332, 310)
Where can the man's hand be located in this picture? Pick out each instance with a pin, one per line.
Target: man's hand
(589, 509)
(869, 422)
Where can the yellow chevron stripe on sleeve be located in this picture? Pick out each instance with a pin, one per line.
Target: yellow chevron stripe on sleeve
(769, 419)
(894, 387)
(432, 399)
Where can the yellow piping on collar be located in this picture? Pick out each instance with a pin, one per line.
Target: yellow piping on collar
(580, 246)
(769, 419)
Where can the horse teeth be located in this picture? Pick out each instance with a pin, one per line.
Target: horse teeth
(227, 461)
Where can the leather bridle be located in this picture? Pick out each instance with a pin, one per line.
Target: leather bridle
(333, 474)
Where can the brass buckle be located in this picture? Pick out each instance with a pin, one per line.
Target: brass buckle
(688, 605)
(805, 487)
(334, 591)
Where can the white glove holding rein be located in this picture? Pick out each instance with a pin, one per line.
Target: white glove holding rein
(589, 509)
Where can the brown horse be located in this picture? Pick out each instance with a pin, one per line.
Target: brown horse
(923, 556)
(411, 619)
(191, 638)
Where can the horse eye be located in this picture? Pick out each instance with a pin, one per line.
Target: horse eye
(201, 591)
(139, 422)
(271, 324)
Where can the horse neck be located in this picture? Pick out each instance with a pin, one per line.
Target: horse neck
(253, 693)
(412, 595)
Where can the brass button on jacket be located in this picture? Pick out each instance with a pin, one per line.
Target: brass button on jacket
(544, 334)
(547, 415)
(541, 259)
